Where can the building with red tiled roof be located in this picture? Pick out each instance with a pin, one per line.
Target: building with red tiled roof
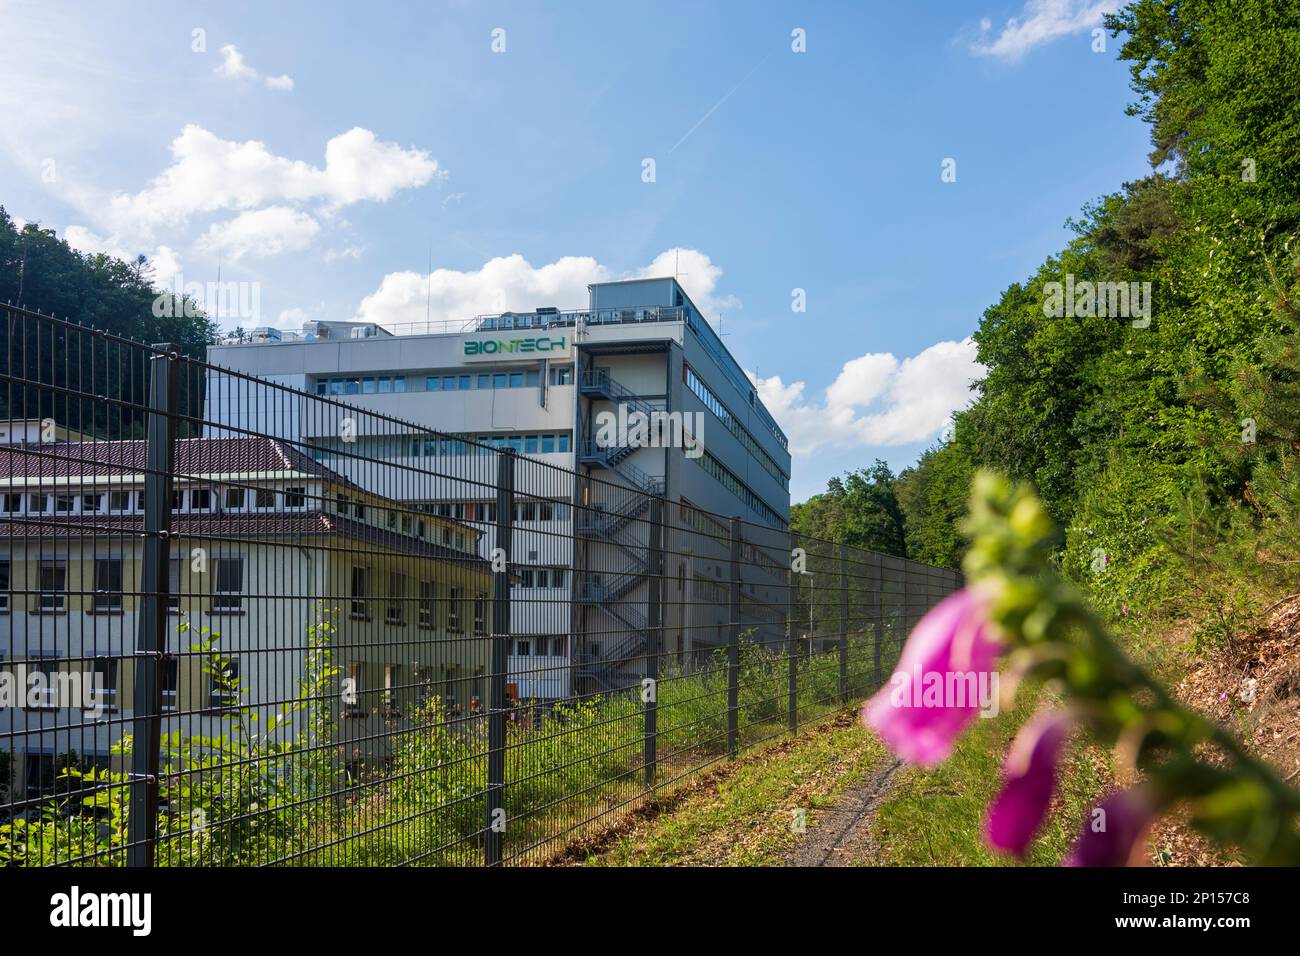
(265, 543)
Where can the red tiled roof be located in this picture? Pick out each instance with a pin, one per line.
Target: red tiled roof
(194, 456)
(273, 524)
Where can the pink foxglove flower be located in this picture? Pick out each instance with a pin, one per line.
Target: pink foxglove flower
(936, 690)
(1030, 781)
(1113, 833)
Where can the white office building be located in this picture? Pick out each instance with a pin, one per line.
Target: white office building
(545, 384)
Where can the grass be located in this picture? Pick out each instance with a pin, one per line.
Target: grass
(745, 817)
(935, 817)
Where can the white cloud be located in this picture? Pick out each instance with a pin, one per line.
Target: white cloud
(347, 252)
(504, 284)
(234, 67)
(1040, 22)
(698, 276)
(209, 174)
(877, 400)
(263, 232)
(511, 283)
(164, 260)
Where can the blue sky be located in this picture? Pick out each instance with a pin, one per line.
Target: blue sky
(330, 153)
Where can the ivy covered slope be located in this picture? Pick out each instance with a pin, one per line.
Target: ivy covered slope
(1157, 444)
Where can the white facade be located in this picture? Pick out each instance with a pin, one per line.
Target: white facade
(537, 382)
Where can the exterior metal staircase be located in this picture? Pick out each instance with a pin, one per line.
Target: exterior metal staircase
(598, 384)
(614, 592)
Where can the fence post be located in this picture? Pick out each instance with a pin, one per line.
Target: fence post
(878, 614)
(844, 625)
(151, 641)
(733, 646)
(496, 763)
(791, 649)
(654, 637)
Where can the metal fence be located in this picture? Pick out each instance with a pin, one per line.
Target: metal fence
(242, 624)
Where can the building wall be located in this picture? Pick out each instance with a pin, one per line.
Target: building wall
(287, 589)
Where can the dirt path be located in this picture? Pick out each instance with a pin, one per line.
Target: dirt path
(842, 835)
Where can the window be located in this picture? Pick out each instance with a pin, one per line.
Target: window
(392, 683)
(425, 607)
(37, 504)
(43, 684)
(11, 503)
(499, 380)
(395, 612)
(119, 501)
(108, 584)
(433, 383)
(360, 589)
(90, 504)
(559, 646)
(399, 383)
(228, 584)
(174, 584)
(453, 609)
(266, 497)
(224, 683)
(103, 678)
(295, 497)
(548, 444)
(178, 500)
(63, 504)
(352, 693)
(201, 499)
(367, 386)
(480, 613)
(523, 648)
(4, 586)
(484, 381)
(169, 677)
(235, 499)
(53, 584)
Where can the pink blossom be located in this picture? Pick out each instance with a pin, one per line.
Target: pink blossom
(1113, 834)
(1030, 780)
(950, 643)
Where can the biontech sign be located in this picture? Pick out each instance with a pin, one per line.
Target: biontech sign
(524, 347)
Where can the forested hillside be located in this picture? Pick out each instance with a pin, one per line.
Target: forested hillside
(1161, 443)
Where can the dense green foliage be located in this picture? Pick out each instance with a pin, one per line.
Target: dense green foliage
(1155, 444)
(860, 510)
(41, 273)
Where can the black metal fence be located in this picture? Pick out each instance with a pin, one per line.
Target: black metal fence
(243, 624)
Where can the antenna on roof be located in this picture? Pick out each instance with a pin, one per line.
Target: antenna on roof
(428, 298)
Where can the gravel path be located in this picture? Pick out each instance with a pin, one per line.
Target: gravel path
(842, 834)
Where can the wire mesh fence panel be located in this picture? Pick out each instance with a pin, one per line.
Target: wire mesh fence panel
(253, 624)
